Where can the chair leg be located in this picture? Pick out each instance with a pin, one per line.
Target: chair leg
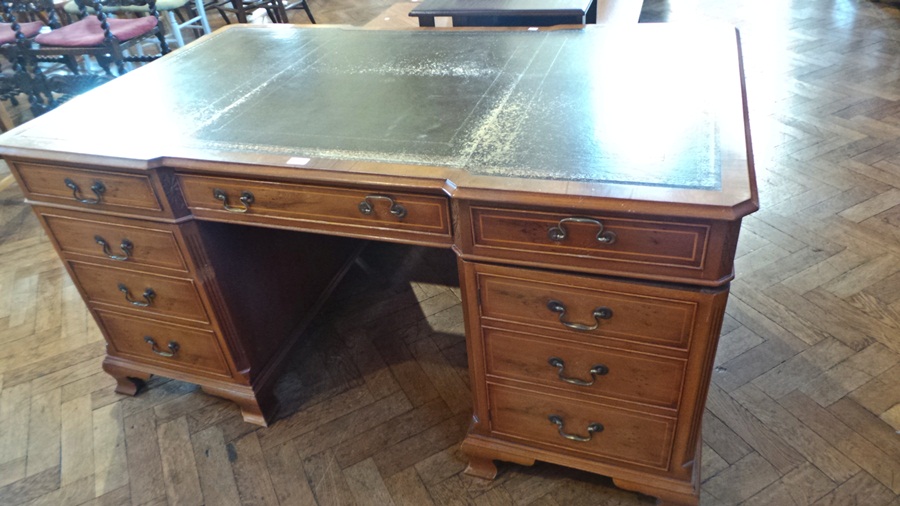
(239, 10)
(40, 98)
(195, 19)
(105, 63)
(224, 16)
(163, 45)
(308, 12)
(303, 4)
(175, 27)
(71, 63)
(201, 13)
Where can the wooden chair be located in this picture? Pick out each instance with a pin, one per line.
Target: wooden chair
(99, 35)
(196, 20)
(22, 22)
(11, 79)
(242, 9)
(275, 9)
(301, 4)
(173, 9)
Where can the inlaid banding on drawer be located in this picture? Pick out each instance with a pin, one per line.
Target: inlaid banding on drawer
(184, 348)
(596, 430)
(88, 189)
(143, 243)
(637, 241)
(584, 369)
(636, 313)
(149, 293)
(311, 205)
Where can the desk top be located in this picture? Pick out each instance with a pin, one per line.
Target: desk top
(649, 113)
(495, 7)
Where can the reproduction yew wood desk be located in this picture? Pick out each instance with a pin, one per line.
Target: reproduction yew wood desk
(594, 208)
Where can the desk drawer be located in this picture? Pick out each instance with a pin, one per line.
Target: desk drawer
(618, 434)
(359, 212)
(584, 369)
(88, 189)
(654, 248)
(589, 308)
(128, 242)
(171, 346)
(144, 292)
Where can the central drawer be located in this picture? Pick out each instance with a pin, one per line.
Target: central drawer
(406, 217)
(594, 430)
(148, 293)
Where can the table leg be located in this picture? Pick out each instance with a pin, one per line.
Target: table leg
(426, 21)
(590, 17)
(239, 10)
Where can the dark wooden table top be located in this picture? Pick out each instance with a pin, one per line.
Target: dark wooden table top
(501, 7)
(651, 113)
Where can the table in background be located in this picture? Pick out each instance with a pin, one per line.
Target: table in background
(507, 12)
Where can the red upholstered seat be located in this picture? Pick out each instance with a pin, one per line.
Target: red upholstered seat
(87, 32)
(8, 35)
(109, 41)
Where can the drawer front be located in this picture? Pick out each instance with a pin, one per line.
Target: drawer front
(584, 369)
(590, 306)
(148, 293)
(317, 207)
(173, 346)
(620, 435)
(87, 188)
(140, 243)
(662, 248)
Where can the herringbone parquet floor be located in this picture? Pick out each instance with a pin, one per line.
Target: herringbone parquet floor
(805, 402)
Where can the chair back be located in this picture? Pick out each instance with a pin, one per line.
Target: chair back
(15, 11)
(99, 7)
(25, 19)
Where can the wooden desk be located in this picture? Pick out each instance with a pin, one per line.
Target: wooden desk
(507, 12)
(595, 215)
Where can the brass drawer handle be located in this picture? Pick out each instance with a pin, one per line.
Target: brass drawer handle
(148, 295)
(98, 188)
(396, 209)
(126, 246)
(597, 370)
(592, 428)
(600, 313)
(173, 348)
(246, 199)
(559, 233)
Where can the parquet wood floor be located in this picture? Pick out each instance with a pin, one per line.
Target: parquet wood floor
(805, 402)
